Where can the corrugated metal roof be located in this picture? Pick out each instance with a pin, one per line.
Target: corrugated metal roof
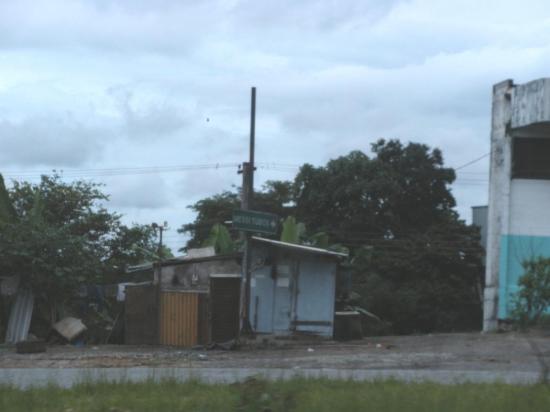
(20, 317)
(301, 248)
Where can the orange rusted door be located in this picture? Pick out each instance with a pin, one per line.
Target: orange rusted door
(179, 317)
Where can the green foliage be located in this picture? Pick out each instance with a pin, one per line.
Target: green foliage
(220, 239)
(62, 236)
(293, 232)
(320, 239)
(273, 198)
(210, 211)
(533, 298)
(7, 213)
(291, 395)
(421, 282)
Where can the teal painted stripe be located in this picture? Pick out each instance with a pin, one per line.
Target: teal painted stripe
(514, 250)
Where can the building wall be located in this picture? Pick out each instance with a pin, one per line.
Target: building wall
(196, 275)
(530, 207)
(499, 194)
(519, 209)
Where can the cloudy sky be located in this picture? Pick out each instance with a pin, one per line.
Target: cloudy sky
(87, 86)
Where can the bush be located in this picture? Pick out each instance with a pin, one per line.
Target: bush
(533, 298)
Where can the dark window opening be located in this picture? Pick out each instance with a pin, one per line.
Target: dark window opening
(531, 158)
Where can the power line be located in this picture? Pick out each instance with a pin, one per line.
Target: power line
(471, 162)
(120, 171)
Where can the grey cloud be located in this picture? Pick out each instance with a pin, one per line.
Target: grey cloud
(49, 140)
(149, 122)
(311, 14)
(139, 192)
(197, 184)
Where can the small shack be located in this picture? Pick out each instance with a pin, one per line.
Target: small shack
(292, 288)
(191, 301)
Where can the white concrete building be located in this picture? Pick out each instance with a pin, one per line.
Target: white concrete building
(519, 192)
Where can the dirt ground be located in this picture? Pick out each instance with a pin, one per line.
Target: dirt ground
(465, 351)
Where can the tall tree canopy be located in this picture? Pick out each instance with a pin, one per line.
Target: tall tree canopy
(61, 235)
(415, 263)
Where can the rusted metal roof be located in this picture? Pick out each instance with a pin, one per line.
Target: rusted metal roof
(183, 261)
(300, 248)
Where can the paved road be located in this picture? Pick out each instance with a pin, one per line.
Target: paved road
(27, 377)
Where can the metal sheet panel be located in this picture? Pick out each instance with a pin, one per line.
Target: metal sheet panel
(283, 295)
(179, 318)
(316, 293)
(261, 300)
(20, 317)
(225, 301)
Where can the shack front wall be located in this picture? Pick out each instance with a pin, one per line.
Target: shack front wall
(196, 275)
(292, 292)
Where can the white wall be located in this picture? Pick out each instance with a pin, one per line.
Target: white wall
(529, 207)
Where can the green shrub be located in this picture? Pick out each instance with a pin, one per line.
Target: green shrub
(533, 298)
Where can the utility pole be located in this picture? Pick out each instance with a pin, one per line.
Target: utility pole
(158, 272)
(161, 229)
(246, 204)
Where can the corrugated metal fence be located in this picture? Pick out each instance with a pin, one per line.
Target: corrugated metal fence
(179, 318)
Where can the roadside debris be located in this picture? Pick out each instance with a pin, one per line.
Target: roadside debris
(70, 328)
(30, 346)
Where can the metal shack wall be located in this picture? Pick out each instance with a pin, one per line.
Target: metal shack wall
(292, 292)
(314, 308)
(180, 318)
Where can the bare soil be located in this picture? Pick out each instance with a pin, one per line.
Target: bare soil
(460, 351)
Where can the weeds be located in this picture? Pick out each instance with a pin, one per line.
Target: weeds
(293, 395)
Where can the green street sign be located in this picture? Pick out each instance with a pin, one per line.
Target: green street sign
(258, 222)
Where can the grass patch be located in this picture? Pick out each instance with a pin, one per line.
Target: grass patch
(294, 395)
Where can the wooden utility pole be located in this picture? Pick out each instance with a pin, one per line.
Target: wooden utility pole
(158, 272)
(246, 204)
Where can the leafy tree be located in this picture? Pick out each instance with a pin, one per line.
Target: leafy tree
(423, 271)
(415, 263)
(7, 212)
(62, 236)
(210, 211)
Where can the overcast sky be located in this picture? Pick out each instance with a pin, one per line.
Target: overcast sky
(114, 84)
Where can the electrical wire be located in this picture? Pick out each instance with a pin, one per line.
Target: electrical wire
(471, 162)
